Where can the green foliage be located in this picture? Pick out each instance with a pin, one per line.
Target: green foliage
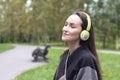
(42, 20)
(109, 62)
(5, 47)
(105, 17)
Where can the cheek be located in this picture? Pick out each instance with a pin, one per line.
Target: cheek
(75, 34)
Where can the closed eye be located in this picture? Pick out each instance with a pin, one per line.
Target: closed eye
(73, 26)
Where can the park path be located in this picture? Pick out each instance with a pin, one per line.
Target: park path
(17, 60)
(109, 51)
(99, 51)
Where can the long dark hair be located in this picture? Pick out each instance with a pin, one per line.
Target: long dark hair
(90, 43)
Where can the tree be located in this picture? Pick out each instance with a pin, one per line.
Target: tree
(105, 18)
(41, 20)
(114, 15)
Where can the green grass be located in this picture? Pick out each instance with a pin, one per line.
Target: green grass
(5, 47)
(110, 66)
(109, 62)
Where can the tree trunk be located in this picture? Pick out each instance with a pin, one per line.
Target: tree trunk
(116, 41)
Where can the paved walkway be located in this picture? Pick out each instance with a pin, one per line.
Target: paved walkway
(109, 51)
(99, 51)
(17, 60)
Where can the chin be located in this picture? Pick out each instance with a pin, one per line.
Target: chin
(63, 39)
(66, 40)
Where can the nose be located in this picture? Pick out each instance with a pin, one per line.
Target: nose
(65, 29)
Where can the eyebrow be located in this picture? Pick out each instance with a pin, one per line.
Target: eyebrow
(70, 23)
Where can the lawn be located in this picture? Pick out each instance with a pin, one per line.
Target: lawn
(109, 62)
(5, 47)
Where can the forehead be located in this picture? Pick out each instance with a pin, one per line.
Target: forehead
(74, 19)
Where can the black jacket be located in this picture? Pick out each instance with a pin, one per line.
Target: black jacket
(81, 65)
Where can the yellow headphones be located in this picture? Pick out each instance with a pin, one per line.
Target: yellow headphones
(84, 35)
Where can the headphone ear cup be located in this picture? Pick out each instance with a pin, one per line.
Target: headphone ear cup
(84, 35)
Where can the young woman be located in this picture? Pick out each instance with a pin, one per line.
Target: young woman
(80, 61)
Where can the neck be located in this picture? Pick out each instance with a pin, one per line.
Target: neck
(73, 46)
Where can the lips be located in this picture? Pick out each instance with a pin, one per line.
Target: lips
(65, 34)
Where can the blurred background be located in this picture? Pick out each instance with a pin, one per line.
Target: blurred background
(41, 21)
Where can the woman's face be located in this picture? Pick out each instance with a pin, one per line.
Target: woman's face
(72, 28)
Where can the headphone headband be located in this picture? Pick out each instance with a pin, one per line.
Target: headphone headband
(89, 21)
